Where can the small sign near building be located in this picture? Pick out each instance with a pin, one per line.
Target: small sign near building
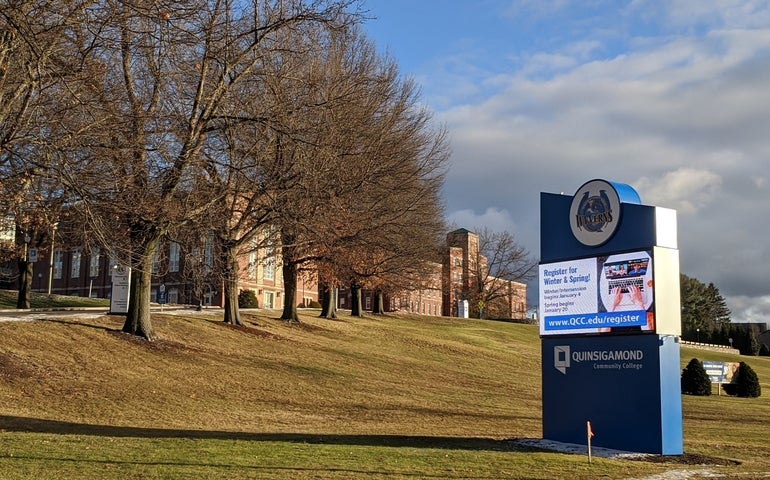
(121, 282)
(720, 372)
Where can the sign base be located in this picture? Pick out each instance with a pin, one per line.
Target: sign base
(627, 386)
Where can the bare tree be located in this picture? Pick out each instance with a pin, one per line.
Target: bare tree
(499, 261)
(370, 207)
(38, 67)
(170, 72)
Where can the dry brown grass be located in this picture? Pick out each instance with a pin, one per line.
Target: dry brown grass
(374, 397)
(384, 375)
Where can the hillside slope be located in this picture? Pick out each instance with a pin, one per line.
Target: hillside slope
(389, 375)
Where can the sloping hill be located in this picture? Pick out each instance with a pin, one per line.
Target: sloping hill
(378, 397)
(390, 375)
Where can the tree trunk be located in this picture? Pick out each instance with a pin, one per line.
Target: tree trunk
(138, 319)
(378, 306)
(289, 292)
(355, 293)
(289, 269)
(25, 283)
(328, 301)
(230, 262)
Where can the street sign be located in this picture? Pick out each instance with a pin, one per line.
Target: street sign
(32, 253)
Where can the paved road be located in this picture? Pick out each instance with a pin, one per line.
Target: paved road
(85, 312)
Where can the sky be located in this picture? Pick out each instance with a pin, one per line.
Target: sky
(671, 97)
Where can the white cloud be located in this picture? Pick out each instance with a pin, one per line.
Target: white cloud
(686, 189)
(749, 309)
(496, 219)
(668, 96)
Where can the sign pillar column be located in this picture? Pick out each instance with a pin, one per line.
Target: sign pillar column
(610, 320)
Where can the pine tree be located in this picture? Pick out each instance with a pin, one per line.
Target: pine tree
(695, 380)
(704, 311)
(719, 312)
(753, 342)
(747, 383)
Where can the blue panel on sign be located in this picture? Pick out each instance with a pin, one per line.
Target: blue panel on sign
(626, 193)
(671, 395)
(635, 232)
(615, 383)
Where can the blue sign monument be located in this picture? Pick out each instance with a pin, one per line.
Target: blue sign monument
(610, 320)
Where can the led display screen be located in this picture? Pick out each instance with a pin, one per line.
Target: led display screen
(607, 294)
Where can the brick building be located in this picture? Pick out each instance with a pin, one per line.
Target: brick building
(464, 267)
(452, 281)
(186, 274)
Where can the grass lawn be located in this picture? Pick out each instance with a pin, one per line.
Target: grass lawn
(378, 397)
(8, 299)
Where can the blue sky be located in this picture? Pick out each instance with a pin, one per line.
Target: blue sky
(669, 96)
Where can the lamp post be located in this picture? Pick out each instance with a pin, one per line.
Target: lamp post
(698, 331)
(731, 341)
(50, 260)
(31, 273)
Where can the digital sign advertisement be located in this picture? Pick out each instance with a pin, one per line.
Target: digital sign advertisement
(605, 294)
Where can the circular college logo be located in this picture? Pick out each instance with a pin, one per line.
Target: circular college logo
(595, 213)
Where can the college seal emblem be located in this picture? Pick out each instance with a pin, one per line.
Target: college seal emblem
(595, 213)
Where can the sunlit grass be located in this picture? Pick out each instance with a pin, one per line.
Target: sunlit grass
(379, 397)
(8, 299)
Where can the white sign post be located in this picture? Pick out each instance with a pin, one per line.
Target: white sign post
(121, 282)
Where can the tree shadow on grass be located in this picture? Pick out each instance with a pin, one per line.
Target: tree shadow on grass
(38, 425)
(80, 323)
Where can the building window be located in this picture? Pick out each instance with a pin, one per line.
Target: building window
(93, 264)
(368, 303)
(268, 272)
(112, 263)
(252, 270)
(173, 295)
(58, 264)
(268, 299)
(75, 270)
(173, 257)
(208, 255)
(155, 262)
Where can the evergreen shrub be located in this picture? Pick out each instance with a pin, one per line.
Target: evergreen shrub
(695, 380)
(747, 382)
(247, 299)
